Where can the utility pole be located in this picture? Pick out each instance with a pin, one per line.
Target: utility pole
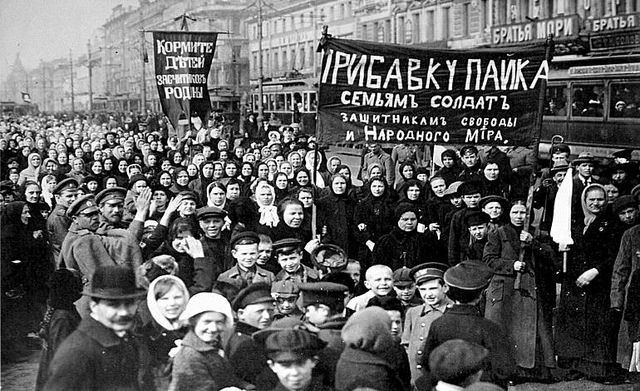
(143, 90)
(260, 67)
(73, 98)
(90, 77)
(315, 20)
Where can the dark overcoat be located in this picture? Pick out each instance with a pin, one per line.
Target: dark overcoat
(361, 369)
(94, 358)
(520, 311)
(587, 328)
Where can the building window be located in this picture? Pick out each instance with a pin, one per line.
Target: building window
(364, 32)
(276, 63)
(302, 57)
(430, 26)
(380, 33)
(465, 19)
(341, 14)
(445, 22)
(285, 60)
(408, 32)
(400, 30)
(416, 27)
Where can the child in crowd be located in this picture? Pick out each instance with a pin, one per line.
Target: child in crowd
(378, 281)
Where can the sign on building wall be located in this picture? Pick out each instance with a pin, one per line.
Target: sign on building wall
(182, 63)
(614, 32)
(372, 92)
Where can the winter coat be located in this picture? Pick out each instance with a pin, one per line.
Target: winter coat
(399, 248)
(336, 213)
(58, 226)
(94, 358)
(247, 358)
(519, 312)
(199, 366)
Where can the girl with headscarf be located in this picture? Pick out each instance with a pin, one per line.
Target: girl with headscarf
(164, 180)
(524, 312)
(373, 218)
(450, 168)
(33, 169)
(311, 159)
(217, 195)
(200, 362)
(587, 327)
(47, 184)
(302, 180)
(406, 172)
(264, 197)
(335, 216)
(200, 185)
(158, 324)
(121, 173)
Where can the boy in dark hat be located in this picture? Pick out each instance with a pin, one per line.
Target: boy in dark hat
(101, 354)
(214, 245)
(323, 303)
(244, 249)
(58, 222)
(471, 165)
(405, 288)
(457, 363)
(477, 223)
(458, 232)
(286, 294)
(626, 208)
(291, 351)
(254, 307)
(466, 281)
(429, 280)
(288, 253)
(585, 165)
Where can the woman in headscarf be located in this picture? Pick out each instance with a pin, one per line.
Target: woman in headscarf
(158, 324)
(450, 168)
(373, 218)
(95, 170)
(217, 196)
(109, 166)
(33, 169)
(48, 183)
(200, 363)
(180, 180)
(412, 192)
(281, 186)
(78, 172)
(247, 178)
(525, 311)
(292, 222)
(492, 183)
(121, 173)
(335, 216)
(302, 180)
(407, 172)
(264, 197)
(164, 180)
(587, 328)
(311, 159)
(199, 186)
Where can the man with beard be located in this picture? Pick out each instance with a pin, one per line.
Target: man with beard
(214, 244)
(255, 307)
(58, 222)
(101, 354)
(429, 279)
(111, 203)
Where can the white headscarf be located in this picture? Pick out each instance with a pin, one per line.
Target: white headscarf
(152, 302)
(268, 213)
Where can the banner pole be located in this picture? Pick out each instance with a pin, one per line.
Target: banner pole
(536, 150)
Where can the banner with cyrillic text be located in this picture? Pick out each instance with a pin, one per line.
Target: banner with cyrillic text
(371, 92)
(182, 62)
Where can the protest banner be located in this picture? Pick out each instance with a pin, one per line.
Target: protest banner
(182, 63)
(386, 93)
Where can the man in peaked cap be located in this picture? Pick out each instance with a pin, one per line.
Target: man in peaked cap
(214, 245)
(85, 249)
(58, 222)
(101, 354)
(585, 165)
(428, 277)
(405, 288)
(477, 223)
(288, 253)
(323, 304)
(254, 307)
(111, 204)
(466, 281)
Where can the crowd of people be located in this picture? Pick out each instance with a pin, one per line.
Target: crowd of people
(144, 258)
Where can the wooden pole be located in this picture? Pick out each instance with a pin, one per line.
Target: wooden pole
(536, 151)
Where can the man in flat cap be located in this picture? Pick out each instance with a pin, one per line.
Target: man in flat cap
(288, 253)
(286, 294)
(456, 364)
(58, 222)
(429, 280)
(405, 287)
(254, 307)
(85, 250)
(466, 281)
(293, 351)
(585, 165)
(244, 249)
(323, 304)
(111, 204)
(102, 354)
(477, 224)
(214, 244)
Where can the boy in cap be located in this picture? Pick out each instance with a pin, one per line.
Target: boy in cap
(214, 245)
(458, 233)
(244, 249)
(471, 165)
(288, 253)
(405, 288)
(58, 222)
(478, 225)
(456, 364)
(254, 307)
(429, 279)
(286, 294)
(292, 356)
(466, 281)
(323, 303)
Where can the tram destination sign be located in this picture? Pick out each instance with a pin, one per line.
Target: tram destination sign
(371, 92)
(182, 64)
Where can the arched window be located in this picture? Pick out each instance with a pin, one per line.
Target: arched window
(408, 31)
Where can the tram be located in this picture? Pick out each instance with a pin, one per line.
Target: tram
(594, 105)
(289, 100)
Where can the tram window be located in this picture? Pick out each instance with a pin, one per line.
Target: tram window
(588, 100)
(556, 101)
(625, 100)
(314, 102)
(280, 104)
